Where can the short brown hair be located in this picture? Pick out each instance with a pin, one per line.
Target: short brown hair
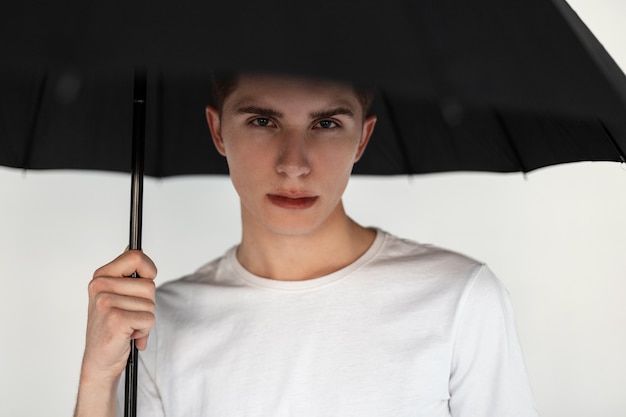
(223, 85)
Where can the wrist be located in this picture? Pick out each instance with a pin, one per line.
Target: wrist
(96, 396)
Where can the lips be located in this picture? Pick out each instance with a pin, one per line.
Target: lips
(292, 202)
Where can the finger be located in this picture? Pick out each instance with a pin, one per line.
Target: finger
(132, 287)
(141, 343)
(108, 335)
(106, 301)
(112, 316)
(121, 325)
(127, 264)
(139, 324)
(140, 329)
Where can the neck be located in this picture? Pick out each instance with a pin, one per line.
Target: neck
(294, 257)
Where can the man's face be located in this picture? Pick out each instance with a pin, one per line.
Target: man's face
(290, 144)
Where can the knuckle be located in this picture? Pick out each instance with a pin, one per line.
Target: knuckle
(103, 301)
(116, 318)
(150, 319)
(134, 256)
(95, 286)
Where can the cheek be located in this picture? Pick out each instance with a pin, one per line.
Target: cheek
(248, 160)
(337, 160)
(247, 167)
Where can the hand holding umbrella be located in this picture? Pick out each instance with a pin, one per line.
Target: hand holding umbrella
(121, 309)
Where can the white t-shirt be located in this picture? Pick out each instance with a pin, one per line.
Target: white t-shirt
(406, 330)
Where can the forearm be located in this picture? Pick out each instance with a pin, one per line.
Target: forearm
(96, 397)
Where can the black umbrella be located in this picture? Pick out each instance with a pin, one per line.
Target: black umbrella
(481, 85)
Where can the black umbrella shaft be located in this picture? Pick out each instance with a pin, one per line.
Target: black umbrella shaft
(139, 138)
(136, 210)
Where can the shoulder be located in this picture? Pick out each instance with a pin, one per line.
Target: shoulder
(406, 254)
(213, 273)
(421, 273)
(443, 278)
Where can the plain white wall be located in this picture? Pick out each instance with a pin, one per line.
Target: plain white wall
(556, 238)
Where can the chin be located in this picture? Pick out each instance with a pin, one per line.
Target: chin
(299, 230)
(294, 223)
(293, 226)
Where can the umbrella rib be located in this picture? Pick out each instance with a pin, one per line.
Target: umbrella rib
(510, 140)
(33, 131)
(615, 144)
(397, 135)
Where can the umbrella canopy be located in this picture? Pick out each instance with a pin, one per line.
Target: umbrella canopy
(477, 86)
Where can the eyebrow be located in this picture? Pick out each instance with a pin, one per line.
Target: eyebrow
(322, 114)
(332, 112)
(259, 110)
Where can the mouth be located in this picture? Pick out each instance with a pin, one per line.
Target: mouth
(292, 202)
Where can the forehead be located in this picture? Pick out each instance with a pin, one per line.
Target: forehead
(285, 91)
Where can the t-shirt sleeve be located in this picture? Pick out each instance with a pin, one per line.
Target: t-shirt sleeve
(488, 377)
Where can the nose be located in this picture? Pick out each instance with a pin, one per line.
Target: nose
(293, 156)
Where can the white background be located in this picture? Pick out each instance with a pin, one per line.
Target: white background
(556, 238)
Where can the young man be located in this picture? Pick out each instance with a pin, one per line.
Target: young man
(311, 314)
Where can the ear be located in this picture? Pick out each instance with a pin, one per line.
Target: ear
(366, 134)
(213, 120)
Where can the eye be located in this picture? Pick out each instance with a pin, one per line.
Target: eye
(261, 122)
(327, 124)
